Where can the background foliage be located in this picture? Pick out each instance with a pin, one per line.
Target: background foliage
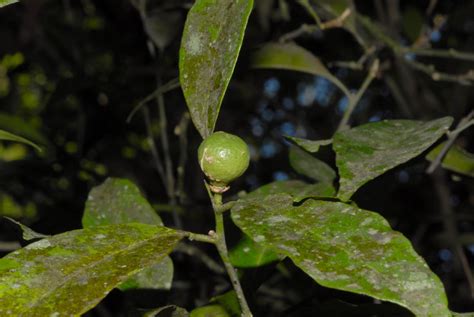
(72, 71)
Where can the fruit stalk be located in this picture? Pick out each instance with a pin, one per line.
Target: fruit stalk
(223, 252)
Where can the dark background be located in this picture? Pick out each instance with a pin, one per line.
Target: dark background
(71, 72)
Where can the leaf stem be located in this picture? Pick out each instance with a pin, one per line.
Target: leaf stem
(354, 99)
(465, 122)
(222, 249)
(209, 238)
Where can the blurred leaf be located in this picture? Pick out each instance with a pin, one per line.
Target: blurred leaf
(10, 208)
(309, 145)
(247, 254)
(264, 10)
(211, 42)
(28, 233)
(119, 201)
(412, 22)
(344, 247)
(367, 151)
(6, 2)
(161, 27)
(456, 160)
(293, 57)
(335, 7)
(68, 274)
(210, 311)
(4, 135)
(307, 165)
(13, 152)
(18, 125)
(167, 311)
(229, 301)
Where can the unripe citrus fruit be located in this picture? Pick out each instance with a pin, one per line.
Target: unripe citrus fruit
(223, 157)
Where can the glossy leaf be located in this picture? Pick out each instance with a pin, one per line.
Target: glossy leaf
(19, 126)
(456, 160)
(290, 56)
(307, 165)
(248, 254)
(7, 136)
(210, 45)
(119, 201)
(69, 273)
(6, 2)
(309, 145)
(344, 247)
(367, 151)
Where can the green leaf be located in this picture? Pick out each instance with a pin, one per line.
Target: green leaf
(297, 189)
(160, 27)
(210, 311)
(119, 201)
(19, 126)
(4, 135)
(456, 160)
(412, 22)
(116, 201)
(230, 302)
(335, 7)
(28, 233)
(309, 145)
(69, 273)
(367, 151)
(344, 247)
(293, 57)
(167, 311)
(7, 2)
(210, 45)
(307, 165)
(248, 254)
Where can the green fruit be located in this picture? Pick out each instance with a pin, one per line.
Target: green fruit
(223, 157)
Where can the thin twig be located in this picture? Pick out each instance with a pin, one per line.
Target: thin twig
(172, 84)
(354, 99)
(170, 178)
(181, 130)
(222, 249)
(440, 53)
(301, 30)
(431, 7)
(195, 252)
(153, 148)
(463, 124)
(449, 220)
(466, 79)
(309, 8)
(207, 238)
